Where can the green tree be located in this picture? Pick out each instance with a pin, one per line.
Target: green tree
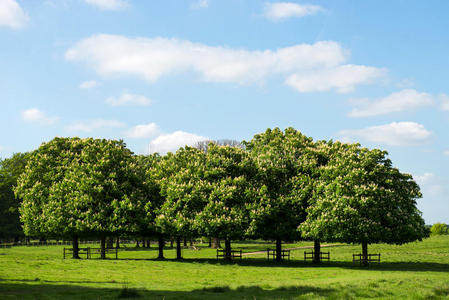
(438, 229)
(229, 193)
(149, 192)
(286, 165)
(361, 198)
(10, 169)
(76, 187)
(180, 178)
(148, 170)
(214, 242)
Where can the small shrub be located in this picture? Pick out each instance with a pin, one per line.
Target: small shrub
(438, 229)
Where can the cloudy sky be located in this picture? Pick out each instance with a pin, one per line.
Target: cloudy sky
(162, 74)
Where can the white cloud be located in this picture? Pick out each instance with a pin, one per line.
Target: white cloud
(92, 125)
(89, 84)
(342, 78)
(393, 134)
(35, 115)
(200, 4)
(281, 11)
(425, 178)
(157, 57)
(129, 99)
(444, 99)
(406, 83)
(143, 131)
(430, 183)
(12, 15)
(434, 203)
(173, 141)
(109, 4)
(396, 102)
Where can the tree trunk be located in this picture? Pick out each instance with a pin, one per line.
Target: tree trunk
(228, 252)
(278, 249)
(365, 253)
(137, 244)
(210, 242)
(110, 243)
(148, 243)
(178, 248)
(171, 243)
(75, 248)
(161, 247)
(317, 252)
(103, 248)
(191, 242)
(117, 243)
(185, 242)
(216, 243)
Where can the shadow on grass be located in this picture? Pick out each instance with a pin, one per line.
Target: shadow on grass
(39, 281)
(10, 289)
(261, 262)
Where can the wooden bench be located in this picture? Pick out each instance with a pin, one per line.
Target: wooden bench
(272, 253)
(81, 251)
(89, 251)
(311, 256)
(107, 251)
(374, 257)
(234, 253)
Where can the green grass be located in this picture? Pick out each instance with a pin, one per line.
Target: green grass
(413, 271)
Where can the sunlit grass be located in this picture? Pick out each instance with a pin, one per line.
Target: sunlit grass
(413, 271)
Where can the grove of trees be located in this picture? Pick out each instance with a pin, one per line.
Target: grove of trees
(280, 185)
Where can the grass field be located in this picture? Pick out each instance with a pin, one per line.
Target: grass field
(413, 271)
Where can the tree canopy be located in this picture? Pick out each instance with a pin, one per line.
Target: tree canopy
(10, 169)
(285, 166)
(361, 198)
(230, 178)
(439, 229)
(76, 187)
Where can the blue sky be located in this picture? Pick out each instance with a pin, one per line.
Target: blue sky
(162, 74)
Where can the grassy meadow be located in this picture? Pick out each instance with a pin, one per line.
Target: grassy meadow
(413, 271)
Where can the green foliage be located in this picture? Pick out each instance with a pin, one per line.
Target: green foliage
(10, 169)
(361, 198)
(281, 185)
(286, 167)
(231, 191)
(180, 178)
(75, 187)
(146, 194)
(439, 229)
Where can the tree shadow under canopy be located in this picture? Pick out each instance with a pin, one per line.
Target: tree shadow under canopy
(262, 262)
